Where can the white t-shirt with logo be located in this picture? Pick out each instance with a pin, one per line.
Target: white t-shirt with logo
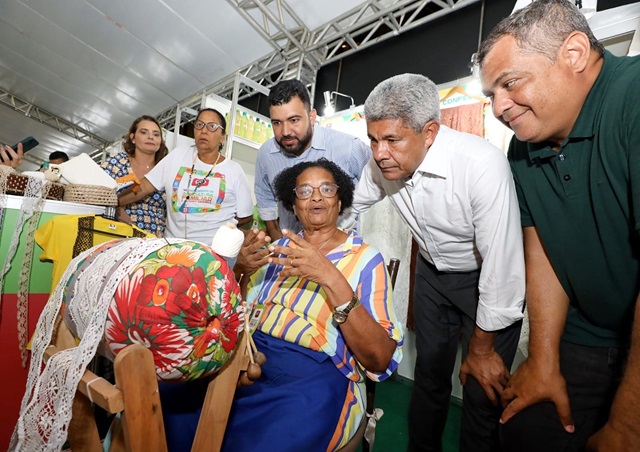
(199, 202)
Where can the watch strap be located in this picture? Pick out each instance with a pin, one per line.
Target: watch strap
(343, 306)
(349, 306)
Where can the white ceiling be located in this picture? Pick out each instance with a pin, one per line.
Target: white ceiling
(99, 64)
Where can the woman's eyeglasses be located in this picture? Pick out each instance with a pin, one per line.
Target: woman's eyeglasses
(211, 126)
(305, 191)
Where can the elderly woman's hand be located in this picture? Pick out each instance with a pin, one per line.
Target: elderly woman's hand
(303, 259)
(253, 253)
(10, 157)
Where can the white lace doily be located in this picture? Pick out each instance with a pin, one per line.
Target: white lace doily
(32, 203)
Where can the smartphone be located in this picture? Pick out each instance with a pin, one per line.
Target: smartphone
(27, 144)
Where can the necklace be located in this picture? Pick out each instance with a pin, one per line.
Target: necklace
(198, 184)
(140, 164)
(327, 241)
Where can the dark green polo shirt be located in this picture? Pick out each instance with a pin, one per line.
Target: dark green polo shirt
(585, 202)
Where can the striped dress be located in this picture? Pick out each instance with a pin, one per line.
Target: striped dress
(295, 310)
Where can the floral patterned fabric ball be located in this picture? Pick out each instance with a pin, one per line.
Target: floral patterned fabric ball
(183, 303)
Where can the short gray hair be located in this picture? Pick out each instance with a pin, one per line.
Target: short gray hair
(412, 98)
(541, 28)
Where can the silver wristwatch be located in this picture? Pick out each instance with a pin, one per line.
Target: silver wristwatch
(341, 313)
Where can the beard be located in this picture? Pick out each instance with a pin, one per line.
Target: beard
(298, 146)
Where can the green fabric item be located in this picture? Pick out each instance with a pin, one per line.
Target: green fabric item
(40, 280)
(257, 221)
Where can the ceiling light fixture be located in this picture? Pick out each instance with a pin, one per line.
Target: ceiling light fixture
(330, 98)
(474, 67)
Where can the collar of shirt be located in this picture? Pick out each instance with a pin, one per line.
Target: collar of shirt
(350, 246)
(585, 124)
(436, 162)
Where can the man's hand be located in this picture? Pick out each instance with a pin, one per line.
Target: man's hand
(533, 383)
(489, 370)
(611, 438)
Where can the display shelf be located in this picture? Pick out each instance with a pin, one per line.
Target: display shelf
(239, 149)
(242, 150)
(245, 149)
(236, 143)
(57, 207)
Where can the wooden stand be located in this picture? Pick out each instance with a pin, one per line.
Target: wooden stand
(217, 402)
(136, 396)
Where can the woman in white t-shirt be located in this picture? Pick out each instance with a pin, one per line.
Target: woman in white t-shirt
(204, 189)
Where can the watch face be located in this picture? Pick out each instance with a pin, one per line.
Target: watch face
(339, 316)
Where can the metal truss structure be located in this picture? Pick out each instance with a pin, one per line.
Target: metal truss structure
(62, 125)
(299, 52)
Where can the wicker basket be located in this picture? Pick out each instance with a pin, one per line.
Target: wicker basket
(91, 194)
(17, 184)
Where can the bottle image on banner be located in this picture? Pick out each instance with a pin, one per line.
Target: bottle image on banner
(263, 132)
(250, 124)
(257, 127)
(243, 125)
(236, 127)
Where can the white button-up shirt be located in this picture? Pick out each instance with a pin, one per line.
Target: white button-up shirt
(462, 209)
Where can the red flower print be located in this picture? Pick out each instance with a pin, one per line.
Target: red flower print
(126, 326)
(183, 279)
(160, 292)
(122, 310)
(190, 324)
(203, 340)
(231, 326)
(148, 289)
(167, 272)
(189, 290)
(184, 255)
(223, 331)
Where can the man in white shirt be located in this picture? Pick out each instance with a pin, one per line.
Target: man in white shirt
(456, 193)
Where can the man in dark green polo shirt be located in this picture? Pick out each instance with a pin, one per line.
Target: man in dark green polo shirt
(575, 112)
